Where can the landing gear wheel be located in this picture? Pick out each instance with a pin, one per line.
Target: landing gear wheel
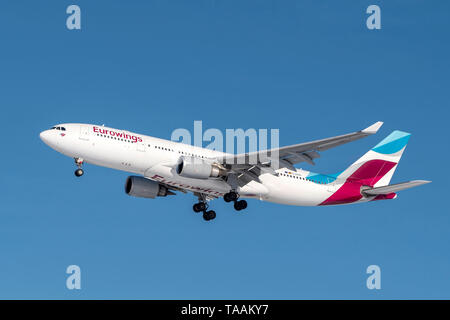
(199, 207)
(209, 215)
(79, 162)
(212, 214)
(240, 205)
(79, 172)
(230, 196)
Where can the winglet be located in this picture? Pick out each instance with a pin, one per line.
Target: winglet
(373, 128)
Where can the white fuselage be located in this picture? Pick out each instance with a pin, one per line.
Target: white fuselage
(156, 159)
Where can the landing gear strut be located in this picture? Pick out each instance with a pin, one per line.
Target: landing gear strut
(79, 162)
(233, 196)
(202, 206)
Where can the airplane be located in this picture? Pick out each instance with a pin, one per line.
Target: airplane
(163, 167)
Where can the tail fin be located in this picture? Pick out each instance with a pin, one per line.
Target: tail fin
(376, 167)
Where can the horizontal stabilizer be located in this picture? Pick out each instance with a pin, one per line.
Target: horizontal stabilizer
(394, 187)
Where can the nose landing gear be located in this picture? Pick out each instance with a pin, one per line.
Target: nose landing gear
(79, 162)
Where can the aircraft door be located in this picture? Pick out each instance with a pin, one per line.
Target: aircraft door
(331, 185)
(84, 132)
(140, 146)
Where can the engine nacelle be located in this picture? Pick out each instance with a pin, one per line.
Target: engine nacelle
(144, 188)
(198, 169)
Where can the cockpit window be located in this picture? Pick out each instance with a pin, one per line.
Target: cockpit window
(58, 128)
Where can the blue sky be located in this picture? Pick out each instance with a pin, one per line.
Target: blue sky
(310, 68)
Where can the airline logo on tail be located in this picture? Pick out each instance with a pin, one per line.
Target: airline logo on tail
(374, 169)
(393, 143)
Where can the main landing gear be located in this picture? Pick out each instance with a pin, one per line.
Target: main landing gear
(233, 196)
(79, 162)
(201, 206)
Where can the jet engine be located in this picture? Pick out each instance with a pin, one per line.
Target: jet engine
(145, 188)
(198, 169)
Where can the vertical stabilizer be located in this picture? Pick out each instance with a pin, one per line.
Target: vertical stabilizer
(378, 165)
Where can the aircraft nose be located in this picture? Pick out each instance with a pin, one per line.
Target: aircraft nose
(45, 136)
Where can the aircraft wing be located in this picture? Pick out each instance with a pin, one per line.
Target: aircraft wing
(394, 187)
(248, 166)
